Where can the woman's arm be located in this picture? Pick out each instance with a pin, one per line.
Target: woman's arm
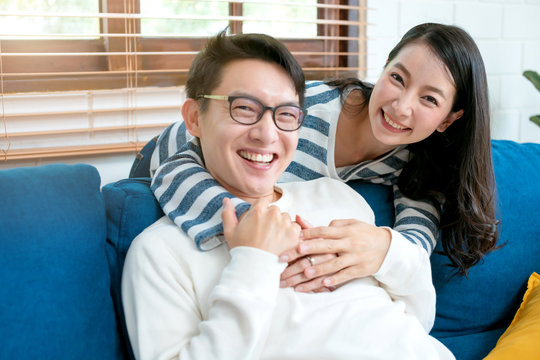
(417, 220)
(360, 248)
(191, 197)
(173, 138)
(406, 275)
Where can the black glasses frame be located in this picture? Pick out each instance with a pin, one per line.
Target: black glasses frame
(230, 99)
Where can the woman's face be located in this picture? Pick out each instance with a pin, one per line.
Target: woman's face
(412, 98)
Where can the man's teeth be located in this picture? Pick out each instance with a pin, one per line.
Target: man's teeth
(266, 158)
(393, 124)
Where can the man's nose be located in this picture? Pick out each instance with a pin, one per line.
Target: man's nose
(265, 129)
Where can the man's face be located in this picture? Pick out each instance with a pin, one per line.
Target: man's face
(247, 160)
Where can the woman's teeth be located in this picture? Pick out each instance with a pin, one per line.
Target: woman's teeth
(393, 124)
(260, 158)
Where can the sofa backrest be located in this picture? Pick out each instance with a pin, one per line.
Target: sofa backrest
(131, 207)
(489, 297)
(55, 300)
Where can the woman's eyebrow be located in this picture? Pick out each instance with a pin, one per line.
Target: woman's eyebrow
(437, 90)
(427, 87)
(402, 67)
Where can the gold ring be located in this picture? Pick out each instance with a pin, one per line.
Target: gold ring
(311, 260)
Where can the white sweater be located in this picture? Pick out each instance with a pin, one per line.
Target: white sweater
(224, 304)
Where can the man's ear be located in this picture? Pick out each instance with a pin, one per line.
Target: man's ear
(453, 116)
(191, 114)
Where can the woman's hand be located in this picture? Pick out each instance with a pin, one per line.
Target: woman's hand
(294, 275)
(262, 226)
(343, 251)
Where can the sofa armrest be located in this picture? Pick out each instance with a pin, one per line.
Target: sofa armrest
(55, 300)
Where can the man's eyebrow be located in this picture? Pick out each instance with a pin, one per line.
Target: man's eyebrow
(428, 87)
(244, 94)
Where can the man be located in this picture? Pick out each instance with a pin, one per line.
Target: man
(245, 97)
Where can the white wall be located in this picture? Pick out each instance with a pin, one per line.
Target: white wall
(507, 33)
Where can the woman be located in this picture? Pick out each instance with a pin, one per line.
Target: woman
(434, 77)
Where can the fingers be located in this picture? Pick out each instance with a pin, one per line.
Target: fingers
(262, 203)
(302, 270)
(344, 222)
(323, 246)
(315, 285)
(263, 226)
(293, 254)
(326, 283)
(294, 273)
(342, 277)
(336, 229)
(290, 255)
(230, 221)
(332, 267)
(324, 232)
(304, 224)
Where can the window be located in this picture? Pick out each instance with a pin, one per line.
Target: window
(55, 45)
(127, 46)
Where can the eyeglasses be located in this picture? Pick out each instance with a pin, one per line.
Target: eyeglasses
(248, 111)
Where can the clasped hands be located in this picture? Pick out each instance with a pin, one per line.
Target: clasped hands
(319, 258)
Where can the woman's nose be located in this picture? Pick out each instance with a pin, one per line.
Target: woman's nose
(403, 104)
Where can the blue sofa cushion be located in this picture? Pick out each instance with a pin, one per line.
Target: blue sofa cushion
(472, 346)
(131, 207)
(140, 168)
(491, 294)
(380, 198)
(55, 300)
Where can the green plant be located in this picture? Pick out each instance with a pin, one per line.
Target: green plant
(533, 77)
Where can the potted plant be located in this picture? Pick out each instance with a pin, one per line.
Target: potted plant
(533, 77)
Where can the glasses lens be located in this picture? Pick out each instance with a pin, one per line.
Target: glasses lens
(245, 110)
(289, 117)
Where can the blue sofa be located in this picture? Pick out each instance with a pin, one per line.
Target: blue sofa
(63, 240)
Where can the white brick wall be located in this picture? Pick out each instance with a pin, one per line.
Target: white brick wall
(507, 33)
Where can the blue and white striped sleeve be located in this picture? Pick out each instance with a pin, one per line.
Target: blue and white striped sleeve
(174, 137)
(191, 197)
(417, 220)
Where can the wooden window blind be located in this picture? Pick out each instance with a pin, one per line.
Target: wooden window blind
(79, 77)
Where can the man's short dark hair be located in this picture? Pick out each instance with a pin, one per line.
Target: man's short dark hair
(205, 72)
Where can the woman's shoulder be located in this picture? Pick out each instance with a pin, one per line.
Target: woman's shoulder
(318, 92)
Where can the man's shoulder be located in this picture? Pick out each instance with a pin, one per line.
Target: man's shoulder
(327, 183)
(162, 235)
(331, 197)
